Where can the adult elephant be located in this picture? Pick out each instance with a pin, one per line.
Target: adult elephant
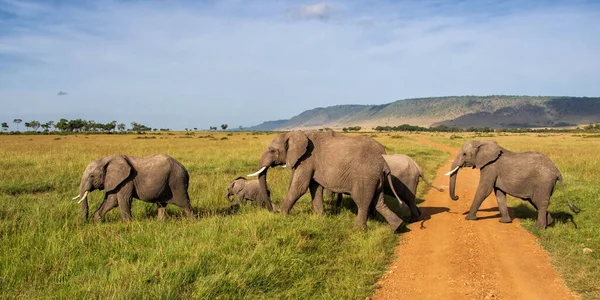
(338, 163)
(530, 176)
(156, 178)
(405, 178)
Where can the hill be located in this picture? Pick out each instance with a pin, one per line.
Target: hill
(460, 111)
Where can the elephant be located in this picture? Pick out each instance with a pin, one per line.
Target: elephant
(530, 176)
(405, 177)
(244, 189)
(157, 178)
(339, 163)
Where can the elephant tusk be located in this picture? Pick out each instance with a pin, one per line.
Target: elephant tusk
(284, 166)
(257, 172)
(451, 172)
(83, 197)
(76, 197)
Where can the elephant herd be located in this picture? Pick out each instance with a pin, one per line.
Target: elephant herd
(352, 165)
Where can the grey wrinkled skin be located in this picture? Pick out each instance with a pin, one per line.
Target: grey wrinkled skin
(405, 178)
(338, 163)
(530, 176)
(244, 190)
(156, 179)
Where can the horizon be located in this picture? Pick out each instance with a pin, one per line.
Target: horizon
(183, 64)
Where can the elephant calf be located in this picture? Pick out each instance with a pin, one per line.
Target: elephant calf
(156, 178)
(244, 189)
(530, 176)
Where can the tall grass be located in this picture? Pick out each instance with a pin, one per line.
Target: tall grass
(227, 253)
(578, 160)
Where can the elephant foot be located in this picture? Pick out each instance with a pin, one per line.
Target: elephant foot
(360, 227)
(471, 217)
(549, 220)
(414, 219)
(97, 219)
(505, 220)
(397, 225)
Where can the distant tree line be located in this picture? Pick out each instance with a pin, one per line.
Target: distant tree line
(439, 128)
(353, 128)
(78, 125)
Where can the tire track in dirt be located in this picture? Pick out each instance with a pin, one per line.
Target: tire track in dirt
(452, 258)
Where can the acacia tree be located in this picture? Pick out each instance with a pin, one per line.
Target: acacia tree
(62, 125)
(121, 126)
(224, 126)
(4, 126)
(49, 124)
(17, 121)
(110, 126)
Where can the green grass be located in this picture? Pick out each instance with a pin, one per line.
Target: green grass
(227, 253)
(579, 162)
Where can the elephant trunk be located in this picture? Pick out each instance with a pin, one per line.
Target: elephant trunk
(455, 166)
(83, 192)
(263, 195)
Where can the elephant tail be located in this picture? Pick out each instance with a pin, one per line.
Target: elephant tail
(429, 184)
(572, 207)
(389, 178)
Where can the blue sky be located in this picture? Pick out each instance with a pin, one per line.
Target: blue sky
(186, 63)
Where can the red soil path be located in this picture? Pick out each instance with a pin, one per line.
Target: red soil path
(452, 258)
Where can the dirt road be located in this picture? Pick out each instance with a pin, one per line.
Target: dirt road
(452, 258)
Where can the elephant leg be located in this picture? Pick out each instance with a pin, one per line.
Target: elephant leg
(392, 219)
(301, 179)
(124, 198)
(187, 208)
(161, 211)
(549, 219)
(501, 198)
(483, 190)
(181, 198)
(110, 202)
(316, 193)
(415, 213)
(542, 205)
(361, 218)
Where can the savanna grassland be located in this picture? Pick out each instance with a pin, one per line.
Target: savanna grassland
(578, 159)
(228, 252)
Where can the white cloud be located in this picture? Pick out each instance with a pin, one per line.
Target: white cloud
(322, 10)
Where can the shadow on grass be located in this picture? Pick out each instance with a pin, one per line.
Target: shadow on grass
(176, 213)
(524, 211)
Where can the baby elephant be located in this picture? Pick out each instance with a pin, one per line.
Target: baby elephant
(244, 189)
(156, 179)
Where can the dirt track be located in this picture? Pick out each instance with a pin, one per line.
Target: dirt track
(452, 258)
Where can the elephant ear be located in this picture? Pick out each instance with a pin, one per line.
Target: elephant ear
(238, 185)
(296, 145)
(487, 152)
(116, 171)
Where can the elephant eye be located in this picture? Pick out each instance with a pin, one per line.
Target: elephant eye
(464, 154)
